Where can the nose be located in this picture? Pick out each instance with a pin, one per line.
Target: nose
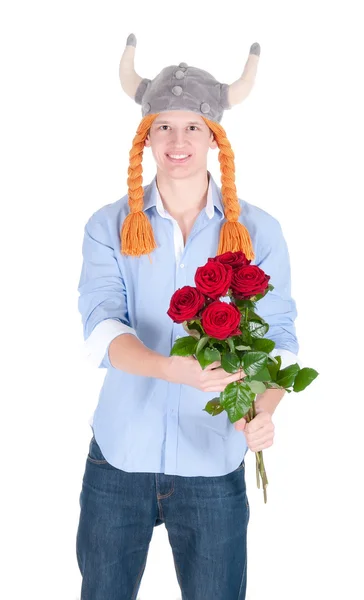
(179, 138)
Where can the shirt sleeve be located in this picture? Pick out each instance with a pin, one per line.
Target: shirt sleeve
(278, 308)
(102, 295)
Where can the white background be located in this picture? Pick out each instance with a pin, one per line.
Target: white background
(66, 132)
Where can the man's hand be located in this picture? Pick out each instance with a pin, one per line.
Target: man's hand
(187, 370)
(259, 432)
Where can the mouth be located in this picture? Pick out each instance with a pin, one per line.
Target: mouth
(178, 159)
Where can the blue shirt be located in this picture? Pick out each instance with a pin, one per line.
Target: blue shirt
(145, 424)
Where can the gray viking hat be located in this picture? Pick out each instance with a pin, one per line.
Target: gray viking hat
(180, 87)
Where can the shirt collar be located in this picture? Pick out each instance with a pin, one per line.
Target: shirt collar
(152, 198)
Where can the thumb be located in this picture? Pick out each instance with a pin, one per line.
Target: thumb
(240, 424)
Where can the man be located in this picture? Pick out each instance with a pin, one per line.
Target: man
(156, 456)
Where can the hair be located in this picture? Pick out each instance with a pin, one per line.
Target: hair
(137, 236)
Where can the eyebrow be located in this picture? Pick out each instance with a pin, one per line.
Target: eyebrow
(169, 123)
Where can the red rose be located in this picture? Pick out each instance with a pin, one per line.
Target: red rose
(221, 320)
(213, 279)
(235, 259)
(248, 281)
(185, 304)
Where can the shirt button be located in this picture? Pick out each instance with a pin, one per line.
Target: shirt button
(181, 265)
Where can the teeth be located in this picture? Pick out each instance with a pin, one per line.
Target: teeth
(178, 155)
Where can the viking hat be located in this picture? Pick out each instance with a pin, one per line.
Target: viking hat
(180, 87)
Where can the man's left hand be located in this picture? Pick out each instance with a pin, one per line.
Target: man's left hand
(259, 432)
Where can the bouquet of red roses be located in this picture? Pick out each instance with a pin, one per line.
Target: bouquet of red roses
(233, 333)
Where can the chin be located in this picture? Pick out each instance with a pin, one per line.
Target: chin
(178, 170)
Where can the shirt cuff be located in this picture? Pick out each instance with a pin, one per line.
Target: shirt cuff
(102, 335)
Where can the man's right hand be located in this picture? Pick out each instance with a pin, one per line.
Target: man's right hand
(187, 370)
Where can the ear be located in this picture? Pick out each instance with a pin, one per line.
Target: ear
(147, 142)
(213, 142)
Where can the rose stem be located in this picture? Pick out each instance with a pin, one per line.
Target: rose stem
(248, 418)
(261, 468)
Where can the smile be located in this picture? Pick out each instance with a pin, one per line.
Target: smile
(178, 158)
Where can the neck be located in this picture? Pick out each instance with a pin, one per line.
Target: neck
(183, 197)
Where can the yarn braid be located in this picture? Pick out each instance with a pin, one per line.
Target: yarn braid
(234, 236)
(137, 236)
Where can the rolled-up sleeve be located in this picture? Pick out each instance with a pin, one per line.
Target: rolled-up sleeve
(278, 307)
(102, 298)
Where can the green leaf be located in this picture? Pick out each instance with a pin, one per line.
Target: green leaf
(230, 344)
(263, 345)
(257, 329)
(237, 398)
(246, 338)
(192, 332)
(286, 377)
(303, 378)
(212, 354)
(230, 362)
(196, 324)
(257, 387)
(273, 367)
(184, 346)
(216, 341)
(219, 347)
(208, 356)
(260, 296)
(253, 362)
(213, 407)
(273, 384)
(253, 315)
(263, 375)
(242, 347)
(243, 303)
(202, 343)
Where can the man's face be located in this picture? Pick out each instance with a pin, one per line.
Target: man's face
(180, 133)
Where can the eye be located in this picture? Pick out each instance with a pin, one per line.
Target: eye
(194, 126)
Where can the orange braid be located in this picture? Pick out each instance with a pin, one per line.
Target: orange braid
(136, 233)
(234, 236)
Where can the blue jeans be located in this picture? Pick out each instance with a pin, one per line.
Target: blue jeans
(206, 519)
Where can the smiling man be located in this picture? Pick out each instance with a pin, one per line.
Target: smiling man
(180, 141)
(155, 455)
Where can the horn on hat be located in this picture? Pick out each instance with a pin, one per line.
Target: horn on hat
(242, 87)
(129, 78)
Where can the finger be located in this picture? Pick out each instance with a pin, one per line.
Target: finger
(259, 421)
(213, 365)
(258, 428)
(216, 389)
(217, 383)
(259, 439)
(226, 377)
(218, 374)
(259, 447)
(235, 376)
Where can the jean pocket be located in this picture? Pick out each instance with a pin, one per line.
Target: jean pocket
(94, 453)
(241, 466)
